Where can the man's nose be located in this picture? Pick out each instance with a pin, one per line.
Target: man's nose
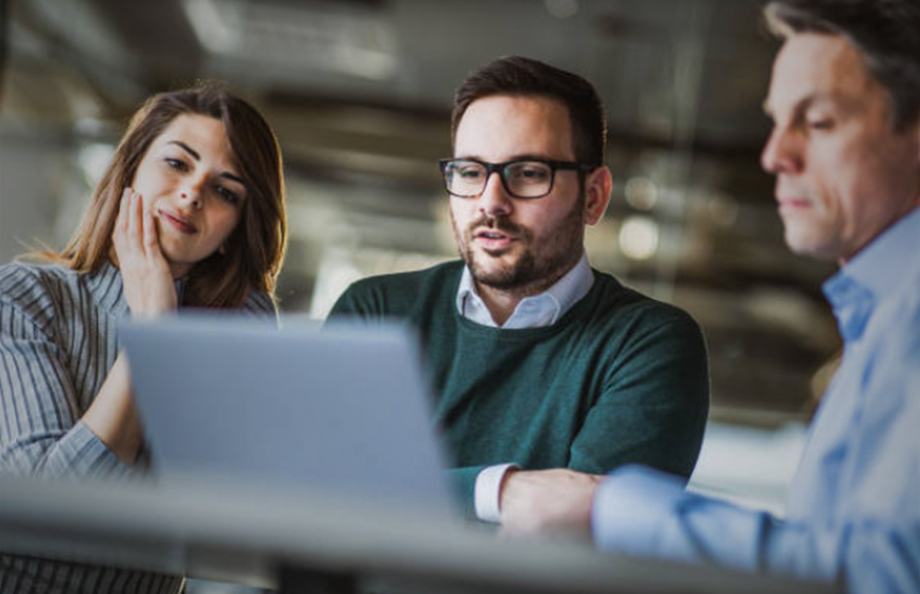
(782, 153)
(494, 200)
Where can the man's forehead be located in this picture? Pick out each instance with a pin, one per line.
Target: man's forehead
(514, 125)
(816, 67)
(539, 108)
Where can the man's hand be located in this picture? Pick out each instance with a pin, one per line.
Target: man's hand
(539, 501)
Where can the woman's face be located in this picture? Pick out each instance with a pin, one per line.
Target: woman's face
(189, 184)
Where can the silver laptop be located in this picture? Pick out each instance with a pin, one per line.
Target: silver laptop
(341, 410)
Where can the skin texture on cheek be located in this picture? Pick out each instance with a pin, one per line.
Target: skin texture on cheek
(541, 260)
(843, 174)
(186, 177)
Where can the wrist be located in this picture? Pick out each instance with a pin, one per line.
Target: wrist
(502, 487)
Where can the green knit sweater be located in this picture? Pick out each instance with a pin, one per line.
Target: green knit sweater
(620, 378)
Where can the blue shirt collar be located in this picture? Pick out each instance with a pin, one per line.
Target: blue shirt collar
(879, 271)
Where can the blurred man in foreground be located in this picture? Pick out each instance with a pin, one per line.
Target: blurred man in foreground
(845, 149)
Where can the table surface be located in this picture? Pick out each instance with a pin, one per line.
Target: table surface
(243, 533)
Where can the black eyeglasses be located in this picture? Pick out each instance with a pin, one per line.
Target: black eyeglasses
(528, 178)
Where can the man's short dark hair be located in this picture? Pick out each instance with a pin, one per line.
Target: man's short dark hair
(519, 76)
(886, 33)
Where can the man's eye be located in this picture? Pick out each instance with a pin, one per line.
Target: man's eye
(530, 173)
(821, 124)
(469, 173)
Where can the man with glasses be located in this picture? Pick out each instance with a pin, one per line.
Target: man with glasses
(542, 365)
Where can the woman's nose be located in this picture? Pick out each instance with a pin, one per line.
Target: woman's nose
(191, 193)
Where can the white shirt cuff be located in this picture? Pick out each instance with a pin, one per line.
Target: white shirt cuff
(487, 494)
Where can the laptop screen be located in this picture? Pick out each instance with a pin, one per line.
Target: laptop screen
(342, 410)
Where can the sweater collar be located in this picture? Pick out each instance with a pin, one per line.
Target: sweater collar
(536, 311)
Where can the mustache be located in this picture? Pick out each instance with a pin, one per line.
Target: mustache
(498, 224)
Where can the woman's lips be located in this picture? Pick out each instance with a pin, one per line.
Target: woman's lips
(181, 223)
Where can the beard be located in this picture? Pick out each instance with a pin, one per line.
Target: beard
(540, 265)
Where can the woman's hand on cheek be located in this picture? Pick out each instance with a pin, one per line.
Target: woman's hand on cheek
(148, 283)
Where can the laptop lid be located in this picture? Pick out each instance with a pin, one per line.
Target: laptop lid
(341, 410)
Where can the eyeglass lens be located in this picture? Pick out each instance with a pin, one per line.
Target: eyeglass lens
(523, 179)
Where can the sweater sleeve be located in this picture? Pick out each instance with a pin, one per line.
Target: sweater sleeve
(40, 430)
(653, 405)
(463, 480)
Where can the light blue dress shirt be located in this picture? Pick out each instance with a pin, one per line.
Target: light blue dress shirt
(853, 512)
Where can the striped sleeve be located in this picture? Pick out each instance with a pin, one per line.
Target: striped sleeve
(260, 303)
(40, 430)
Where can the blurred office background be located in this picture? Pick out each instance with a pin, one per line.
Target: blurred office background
(359, 92)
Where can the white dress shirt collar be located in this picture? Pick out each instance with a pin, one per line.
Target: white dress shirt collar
(536, 311)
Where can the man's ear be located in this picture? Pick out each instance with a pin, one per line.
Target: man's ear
(598, 185)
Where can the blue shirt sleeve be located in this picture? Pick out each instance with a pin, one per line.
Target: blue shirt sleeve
(645, 513)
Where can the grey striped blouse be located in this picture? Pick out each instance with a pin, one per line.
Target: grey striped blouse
(58, 340)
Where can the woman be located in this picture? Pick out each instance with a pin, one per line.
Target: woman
(190, 212)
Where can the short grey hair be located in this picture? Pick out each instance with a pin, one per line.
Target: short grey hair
(885, 32)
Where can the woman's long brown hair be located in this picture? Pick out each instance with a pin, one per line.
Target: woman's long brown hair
(255, 249)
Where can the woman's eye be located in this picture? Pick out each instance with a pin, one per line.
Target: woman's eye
(177, 164)
(228, 195)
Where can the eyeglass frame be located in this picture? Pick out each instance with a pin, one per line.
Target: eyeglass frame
(499, 168)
